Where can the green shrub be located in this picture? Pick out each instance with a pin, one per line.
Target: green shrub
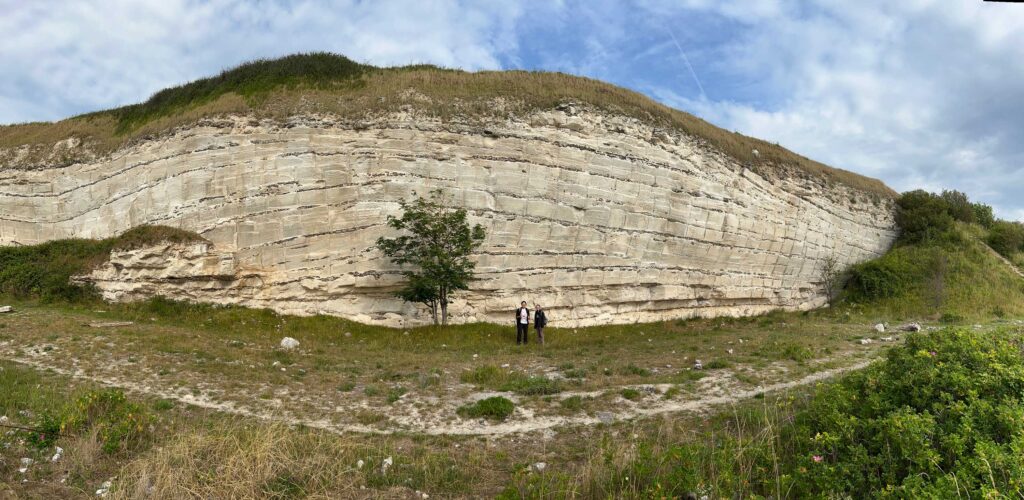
(983, 215)
(495, 408)
(121, 425)
(882, 278)
(630, 394)
(923, 217)
(1007, 238)
(943, 414)
(959, 207)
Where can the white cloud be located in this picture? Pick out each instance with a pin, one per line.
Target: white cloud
(924, 94)
(64, 57)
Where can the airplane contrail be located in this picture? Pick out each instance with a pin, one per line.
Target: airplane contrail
(687, 61)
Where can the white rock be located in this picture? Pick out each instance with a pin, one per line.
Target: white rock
(912, 327)
(505, 365)
(697, 365)
(865, 341)
(386, 465)
(728, 351)
(27, 461)
(880, 328)
(289, 343)
(6, 309)
(251, 264)
(58, 453)
(540, 466)
(360, 464)
(886, 339)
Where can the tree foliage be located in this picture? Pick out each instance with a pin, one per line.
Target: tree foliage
(435, 251)
(923, 217)
(1006, 238)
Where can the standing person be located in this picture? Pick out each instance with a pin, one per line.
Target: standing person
(522, 324)
(540, 320)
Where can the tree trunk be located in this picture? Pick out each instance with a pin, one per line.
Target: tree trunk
(433, 311)
(444, 307)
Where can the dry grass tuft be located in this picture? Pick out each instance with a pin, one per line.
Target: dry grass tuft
(244, 461)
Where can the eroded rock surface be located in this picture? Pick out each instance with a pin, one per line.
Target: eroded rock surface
(601, 219)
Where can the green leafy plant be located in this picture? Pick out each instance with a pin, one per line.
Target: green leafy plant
(437, 248)
(493, 408)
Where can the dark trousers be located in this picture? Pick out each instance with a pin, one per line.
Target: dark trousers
(522, 333)
(540, 334)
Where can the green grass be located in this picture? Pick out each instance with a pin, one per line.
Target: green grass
(494, 408)
(323, 82)
(44, 271)
(959, 278)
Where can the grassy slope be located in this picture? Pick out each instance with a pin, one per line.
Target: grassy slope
(331, 83)
(958, 280)
(43, 271)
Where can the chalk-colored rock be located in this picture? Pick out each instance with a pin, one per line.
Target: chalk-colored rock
(540, 466)
(634, 223)
(912, 327)
(289, 343)
(6, 309)
(880, 328)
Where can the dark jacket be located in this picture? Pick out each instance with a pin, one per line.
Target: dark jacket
(540, 320)
(527, 315)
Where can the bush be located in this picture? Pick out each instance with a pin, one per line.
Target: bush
(923, 217)
(881, 278)
(958, 206)
(1006, 238)
(120, 424)
(630, 394)
(943, 414)
(496, 408)
(983, 215)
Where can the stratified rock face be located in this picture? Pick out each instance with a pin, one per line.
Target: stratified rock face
(599, 218)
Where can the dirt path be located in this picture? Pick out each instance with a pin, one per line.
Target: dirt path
(413, 420)
(1005, 261)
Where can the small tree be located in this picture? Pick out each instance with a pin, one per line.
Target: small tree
(831, 273)
(437, 249)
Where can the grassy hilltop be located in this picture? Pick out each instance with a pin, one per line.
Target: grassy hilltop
(330, 83)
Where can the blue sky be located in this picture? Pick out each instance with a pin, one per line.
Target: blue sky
(920, 93)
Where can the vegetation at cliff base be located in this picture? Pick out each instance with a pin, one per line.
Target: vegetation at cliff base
(948, 261)
(44, 271)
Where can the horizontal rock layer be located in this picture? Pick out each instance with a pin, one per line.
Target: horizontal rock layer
(601, 219)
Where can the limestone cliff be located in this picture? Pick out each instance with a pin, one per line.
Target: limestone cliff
(599, 217)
